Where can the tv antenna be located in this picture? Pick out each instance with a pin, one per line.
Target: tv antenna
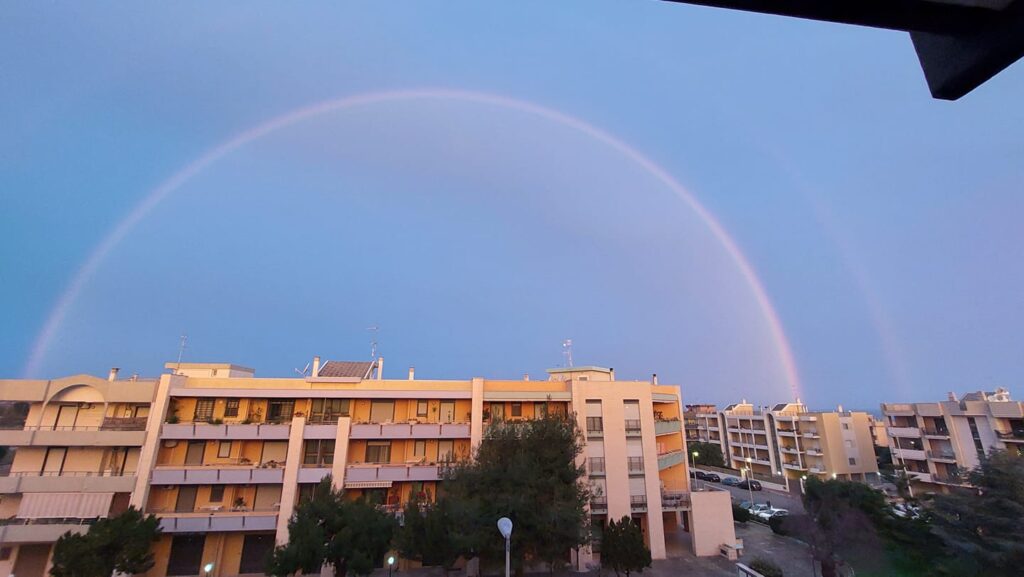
(303, 372)
(373, 341)
(567, 352)
(181, 351)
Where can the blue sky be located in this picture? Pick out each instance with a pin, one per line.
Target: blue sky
(883, 224)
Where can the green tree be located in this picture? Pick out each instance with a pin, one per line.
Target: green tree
(121, 543)
(348, 535)
(525, 471)
(739, 514)
(981, 526)
(707, 453)
(623, 549)
(435, 533)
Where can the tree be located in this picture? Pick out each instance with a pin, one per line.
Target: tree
(740, 514)
(435, 533)
(766, 567)
(525, 471)
(623, 548)
(707, 453)
(981, 526)
(120, 544)
(330, 529)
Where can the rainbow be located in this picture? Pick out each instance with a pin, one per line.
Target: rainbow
(91, 264)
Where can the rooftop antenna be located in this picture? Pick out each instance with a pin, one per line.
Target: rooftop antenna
(373, 341)
(567, 352)
(181, 351)
(303, 372)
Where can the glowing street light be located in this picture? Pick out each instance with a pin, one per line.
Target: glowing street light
(208, 568)
(750, 476)
(391, 564)
(695, 455)
(505, 527)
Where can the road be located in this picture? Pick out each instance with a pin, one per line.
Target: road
(778, 499)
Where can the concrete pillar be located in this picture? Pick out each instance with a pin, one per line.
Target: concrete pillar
(290, 487)
(341, 452)
(652, 479)
(151, 445)
(476, 422)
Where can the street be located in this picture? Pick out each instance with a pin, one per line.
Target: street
(777, 499)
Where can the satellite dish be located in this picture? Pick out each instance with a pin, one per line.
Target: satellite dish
(505, 526)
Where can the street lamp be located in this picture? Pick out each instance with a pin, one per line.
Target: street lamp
(750, 475)
(208, 568)
(695, 455)
(505, 527)
(391, 564)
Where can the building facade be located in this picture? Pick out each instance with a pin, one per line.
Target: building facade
(223, 457)
(789, 441)
(937, 442)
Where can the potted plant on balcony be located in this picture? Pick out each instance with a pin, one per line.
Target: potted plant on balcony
(239, 504)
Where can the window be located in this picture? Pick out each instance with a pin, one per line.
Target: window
(231, 408)
(328, 410)
(498, 411)
(846, 426)
(382, 411)
(204, 411)
(421, 408)
(378, 452)
(280, 411)
(447, 411)
(445, 451)
(540, 410)
(849, 443)
(517, 409)
(217, 493)
(224, 449)
(853, 461)
(419, 449)
(318, 452)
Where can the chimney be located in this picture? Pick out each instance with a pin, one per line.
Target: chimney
(839, 409)
(412, 373)
(316, 367)
(113, 374)
(526, 376)
(951, 396)
(612, 371)
(380, 369)
(654, 379)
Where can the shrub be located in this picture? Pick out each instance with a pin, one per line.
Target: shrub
(739, 514)
(778, 525)
(766, 568)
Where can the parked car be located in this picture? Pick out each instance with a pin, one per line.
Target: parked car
(713, 477)
(746, 505)
(731, 481)
(769, 512)
(906, 511)
(750, 484)
(756, 508)
(702, 475)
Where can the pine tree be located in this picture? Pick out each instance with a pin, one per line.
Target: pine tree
(623, 549)
(121, 543)
(351, 536)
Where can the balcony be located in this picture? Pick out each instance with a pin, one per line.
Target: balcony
(920, 476)
(595, 427)
(362, 473)
(598, 505)
(409, 431)
(671, 459)
(635, 465)
(632, 427)
(790, 450)
(16, 531)
(226, 521)
(898, 409)
(1016, 436)
(788, 432)
(595, 466)
(936, 433)
(666, 427)
(67, 482)
(675, 501)
(914, 454)
(811, 435)
(942, 456)
(794, 466)
(638, 503)
(905, 432)
(204, 431)
(71, 437)
(216, 475)
(815, 452)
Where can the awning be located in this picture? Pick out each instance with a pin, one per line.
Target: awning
(64, 505)
(367, 484)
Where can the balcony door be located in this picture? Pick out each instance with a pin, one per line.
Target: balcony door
(53, 462)
(194, 454)
(447, 411)
(66, 417)
(186, 502)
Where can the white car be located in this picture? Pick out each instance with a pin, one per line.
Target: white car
(769, 512)
(756, 508)
(906, 511)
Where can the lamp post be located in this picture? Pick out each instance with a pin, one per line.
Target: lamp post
(505, 527)
(695, 455)
(391, 564)
(207, 569)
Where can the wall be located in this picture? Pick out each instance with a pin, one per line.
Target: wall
(711, 522)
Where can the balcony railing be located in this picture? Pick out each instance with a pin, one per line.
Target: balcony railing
(595, 425)
(595, 465)
(632, 426)
(1017, 434)
(942, 455)
(931, 432)
(216, 474)
(675, 500)
(599, 504)
(124, 423)
(638, 502)
(635, 464)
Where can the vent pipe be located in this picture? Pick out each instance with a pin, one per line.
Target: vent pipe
(654, 378)
(412, 373)
(380, 369)
(113, 374)
(316, 367)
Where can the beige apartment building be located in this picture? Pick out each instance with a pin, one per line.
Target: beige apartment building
(223, 456)
(789, 441)
(937, 442)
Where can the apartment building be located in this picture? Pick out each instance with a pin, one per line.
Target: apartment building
(937, 442)
(223, 457)
(76, 458)
(696, 419)
(789, 441)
